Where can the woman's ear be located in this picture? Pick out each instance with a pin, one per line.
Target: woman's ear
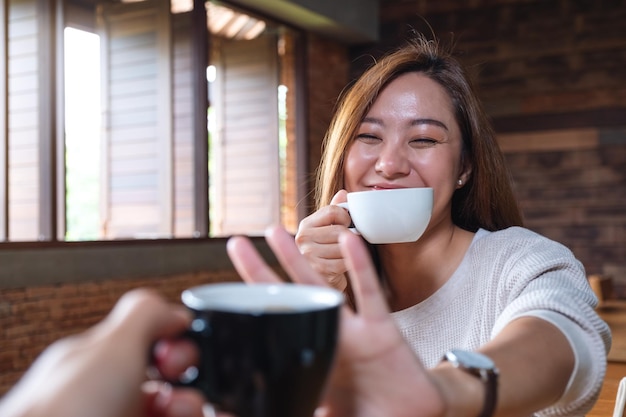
(466, 173)
(463, 179)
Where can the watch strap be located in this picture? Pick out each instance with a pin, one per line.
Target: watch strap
(482, 367)
(490, 380)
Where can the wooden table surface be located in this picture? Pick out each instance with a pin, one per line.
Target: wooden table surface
(606, 403)
(614, 313)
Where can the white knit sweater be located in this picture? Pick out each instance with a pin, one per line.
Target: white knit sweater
(506, 275)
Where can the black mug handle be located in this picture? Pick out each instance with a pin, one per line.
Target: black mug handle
(195, 376)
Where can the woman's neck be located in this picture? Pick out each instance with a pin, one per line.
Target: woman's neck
(413, 272)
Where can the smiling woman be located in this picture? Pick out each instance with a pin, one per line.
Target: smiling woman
(476, 288)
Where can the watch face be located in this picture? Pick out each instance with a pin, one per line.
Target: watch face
(472, 360)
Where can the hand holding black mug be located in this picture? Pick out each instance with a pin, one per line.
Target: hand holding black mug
(266, 350)
(101, 372)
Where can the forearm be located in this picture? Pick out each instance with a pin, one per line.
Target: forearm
(535, 362)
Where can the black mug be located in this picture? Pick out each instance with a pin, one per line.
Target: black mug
(266, 350)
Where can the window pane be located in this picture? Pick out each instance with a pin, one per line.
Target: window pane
(82, 141)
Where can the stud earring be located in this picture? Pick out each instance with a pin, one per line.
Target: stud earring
(460, 182)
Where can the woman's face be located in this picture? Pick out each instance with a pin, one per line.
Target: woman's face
(409, 138)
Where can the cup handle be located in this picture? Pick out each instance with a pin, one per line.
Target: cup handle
(196, 376)
(347, 207)
(191, 377)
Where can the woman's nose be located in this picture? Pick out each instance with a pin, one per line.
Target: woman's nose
(392, 162)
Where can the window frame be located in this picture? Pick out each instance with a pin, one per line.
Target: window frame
(53, 16)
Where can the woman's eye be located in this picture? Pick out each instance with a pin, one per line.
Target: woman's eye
(368, 138)
(423, 142)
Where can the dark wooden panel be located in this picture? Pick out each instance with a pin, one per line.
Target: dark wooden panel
(601, 118)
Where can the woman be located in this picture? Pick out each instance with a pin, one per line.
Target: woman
(476, 280)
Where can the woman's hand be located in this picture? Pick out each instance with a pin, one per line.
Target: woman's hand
(102, 371)
(376, 372)
(318, 240)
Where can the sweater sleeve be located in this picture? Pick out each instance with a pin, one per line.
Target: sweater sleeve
(545, 280)
(586, 369)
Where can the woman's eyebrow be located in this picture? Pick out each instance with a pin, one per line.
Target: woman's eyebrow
(429, 122)
(414, 122)
(373, 120)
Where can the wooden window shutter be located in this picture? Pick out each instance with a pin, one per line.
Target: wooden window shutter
(28, 122)
(246, 175)
(137, 179)
(183, 126)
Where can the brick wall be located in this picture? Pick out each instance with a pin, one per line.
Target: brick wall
(32, 318)
(328, 68)
(541, 56)
(577, 196)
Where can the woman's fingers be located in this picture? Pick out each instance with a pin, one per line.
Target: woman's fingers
(248, 262)
(369, 296)
(340, 196)
(371, 303)
(292, 261)
(252, 268)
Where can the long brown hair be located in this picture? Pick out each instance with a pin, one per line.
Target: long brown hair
(486, 200)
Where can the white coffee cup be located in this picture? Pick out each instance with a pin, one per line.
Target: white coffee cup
(390, 216)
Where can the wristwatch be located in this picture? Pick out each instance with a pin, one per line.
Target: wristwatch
(482, 367)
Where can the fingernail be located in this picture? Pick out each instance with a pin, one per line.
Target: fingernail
(208, 410)
(163, 397)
